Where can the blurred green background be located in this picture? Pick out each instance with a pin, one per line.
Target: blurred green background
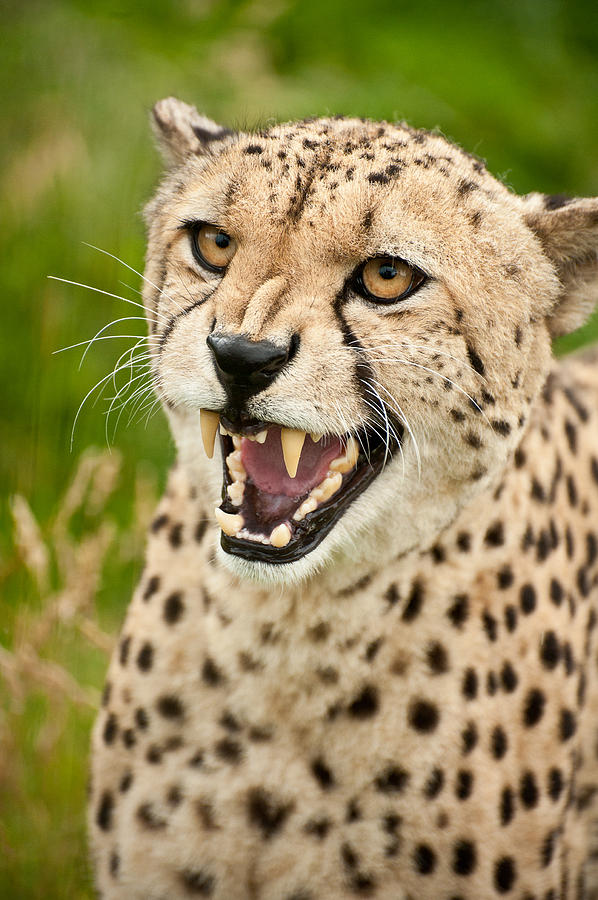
(515, 82)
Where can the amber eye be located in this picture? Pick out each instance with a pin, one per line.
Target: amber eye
(387, 279)
(212, 247)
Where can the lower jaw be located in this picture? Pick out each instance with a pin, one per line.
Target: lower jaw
(312, 530)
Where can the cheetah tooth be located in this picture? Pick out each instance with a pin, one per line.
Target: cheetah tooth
(281, 535)
(327, 488)
(235, 492)
(292, 440)
(208, 422)
(315, 436)
(229, 522)
(261, 436)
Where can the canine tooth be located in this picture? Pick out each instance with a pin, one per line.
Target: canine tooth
(280, 536)
(315, 436)
(352, 450)
(292, 440)
(261, 436)
(229, 522)
(223, 429)
(236, 441)
(208, 422)
(235, 492)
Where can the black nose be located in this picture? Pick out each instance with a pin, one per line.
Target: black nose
(248, 367)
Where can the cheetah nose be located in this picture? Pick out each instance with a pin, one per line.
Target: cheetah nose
(247, 367)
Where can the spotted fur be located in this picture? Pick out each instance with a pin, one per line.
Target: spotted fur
(409, 711)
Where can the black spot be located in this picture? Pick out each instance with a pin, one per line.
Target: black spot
(459, 610)
(129, 739)
(498, 742)
(556, 592)
(510, 617)
(414, 602)
(550, 650)
(556, 784)
(548, 846)
(152, 587)
(571, 435)
(505, 874)
(466, 187)
(392, 594)
(567, 725)
(528, 790)
(469, 737)
(229, 750)
(501, 427)
(198, 881)
(494, 536)
(253, 148)
(464, 784)
(470, 684)
(110, 729)
(266, 812)
(125, 782)
(490, 626)
(114, 863)
(104, 813)
(508, 677)
(141, 718)
(438, 554)
(378, 178)
(464, 542)
(464, 858)
(434, 784)
(175, 535)
(491, 683)
(519, 458)
(424, 859)
(353, 812)
(123, 650)
(322, 774)
(211, 674)
(537, 491)
(154, 754)
(145, 657)
(506, 806)
(533, 707)
(391, 780)
(437, 658)
(173, 608)
(594, 468)
(371, 651)
(527, 598)
(365, 704)
(458, 415)
(475, 360)
(159, 523)
(170, 707)
(505, 578)
(423, 715)
(200, 530)
(318, 827)
(473, 440)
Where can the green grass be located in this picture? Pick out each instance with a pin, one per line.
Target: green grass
(515, 82)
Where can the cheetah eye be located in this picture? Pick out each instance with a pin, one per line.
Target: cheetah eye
(212, 247)
(386, 279)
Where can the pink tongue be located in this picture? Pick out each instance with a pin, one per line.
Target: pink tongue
(264, 463)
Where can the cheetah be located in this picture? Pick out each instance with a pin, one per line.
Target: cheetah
(361, 660)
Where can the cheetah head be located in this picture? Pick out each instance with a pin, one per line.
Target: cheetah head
(361, 316)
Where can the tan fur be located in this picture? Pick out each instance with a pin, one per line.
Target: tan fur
(408, 711)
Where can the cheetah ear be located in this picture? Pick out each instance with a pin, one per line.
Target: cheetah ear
(182, 132)
(568, 232)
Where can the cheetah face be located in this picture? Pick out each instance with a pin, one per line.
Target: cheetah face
(359, 313)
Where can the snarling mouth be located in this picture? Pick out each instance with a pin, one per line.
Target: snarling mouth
(283, 490)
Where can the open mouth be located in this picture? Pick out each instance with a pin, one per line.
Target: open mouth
(283, 489)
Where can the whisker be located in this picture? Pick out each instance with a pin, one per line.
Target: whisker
(97, 290)
(131, 269)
